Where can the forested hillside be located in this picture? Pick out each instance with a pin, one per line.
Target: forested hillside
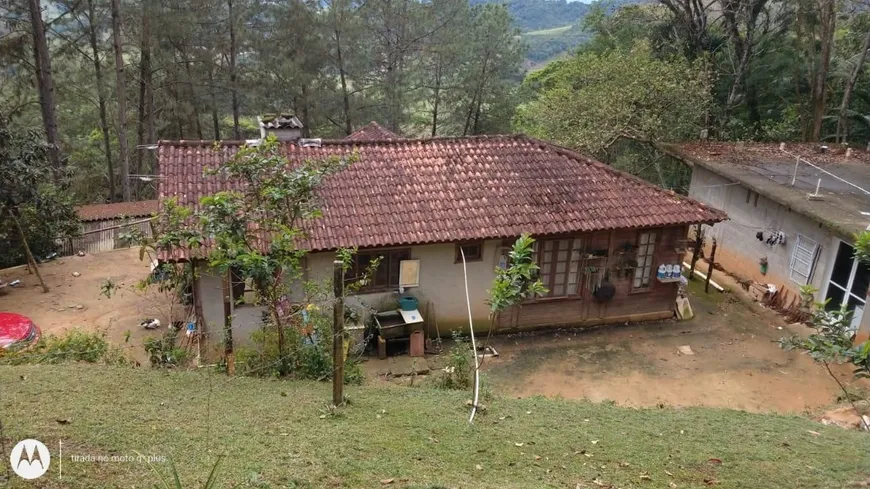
(533, 15)
(554, 28)
(770, 70)
(100, 81)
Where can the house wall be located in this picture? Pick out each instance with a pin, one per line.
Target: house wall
(442, 292)
(739, 251)
(246, 318)
(628, 304)
(442, 288)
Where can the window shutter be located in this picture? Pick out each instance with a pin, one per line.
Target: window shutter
(803, 258)
(409, 273)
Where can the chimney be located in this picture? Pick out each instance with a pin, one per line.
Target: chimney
(285, 126)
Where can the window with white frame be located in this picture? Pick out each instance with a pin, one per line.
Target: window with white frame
(646, 247)
(803, 259)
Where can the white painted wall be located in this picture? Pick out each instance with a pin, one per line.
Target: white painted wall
(737, 235)
(441, 290)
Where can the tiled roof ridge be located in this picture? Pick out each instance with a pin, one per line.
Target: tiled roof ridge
(348, 142)
(567, 152)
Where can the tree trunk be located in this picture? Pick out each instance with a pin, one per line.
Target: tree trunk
(348, 125)
(121, 85)
(229, 355)
(30, 260)
(101, 100)
(842, 119)
(827, 22)
(306, 115)
(201, 324)
(237, 134)
(150, 125)
(215, 118)
(437, 97)
(144, 68)
(283, 367)
(45, 82)
(338, 334)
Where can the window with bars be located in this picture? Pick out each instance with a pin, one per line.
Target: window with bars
(559, 260)
(472, 251)
(385, 277)
(803, 258)
(646, 247)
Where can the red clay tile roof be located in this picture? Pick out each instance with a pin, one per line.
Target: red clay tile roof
(97, 212)
(372, 132)
(414, 191)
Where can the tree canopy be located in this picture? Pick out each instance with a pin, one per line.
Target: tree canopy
(579, 104)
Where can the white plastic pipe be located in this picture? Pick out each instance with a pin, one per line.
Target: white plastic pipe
(473, 344)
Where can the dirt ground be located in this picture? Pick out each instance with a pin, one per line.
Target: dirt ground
(77, 302)
(736, 362)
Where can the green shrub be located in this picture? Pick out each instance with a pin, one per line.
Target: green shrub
(309, 357)
(458, 371)
(165, 352)
(74, 345)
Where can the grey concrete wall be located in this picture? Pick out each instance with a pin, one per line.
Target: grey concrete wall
(739, 251)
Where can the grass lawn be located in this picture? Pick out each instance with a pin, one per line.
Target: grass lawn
(279, 434)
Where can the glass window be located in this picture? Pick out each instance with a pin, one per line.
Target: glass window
(385, 276)
(559, 261)
(645, 251)
(861, 280)
(843, 264)
(472, 251)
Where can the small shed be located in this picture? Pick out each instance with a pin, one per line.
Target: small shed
(102, 224)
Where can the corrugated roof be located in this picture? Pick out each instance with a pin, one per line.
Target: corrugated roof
(414, 191)
(372, 132)
(280, 121)
(97, 212)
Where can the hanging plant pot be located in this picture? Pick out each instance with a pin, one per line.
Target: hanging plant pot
(604, 292)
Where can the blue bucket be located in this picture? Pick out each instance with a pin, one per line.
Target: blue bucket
(407, 303)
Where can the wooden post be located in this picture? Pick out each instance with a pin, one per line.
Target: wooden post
(31, 262)
(228, 324)
(710, 269)
(201, 326)
(338, 334)
(696, 252)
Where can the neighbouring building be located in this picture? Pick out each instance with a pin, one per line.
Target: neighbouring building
(791, 223)
(601, 234)
(102, 225)
(372, 131)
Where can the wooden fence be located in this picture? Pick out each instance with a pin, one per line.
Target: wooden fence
(103, 235)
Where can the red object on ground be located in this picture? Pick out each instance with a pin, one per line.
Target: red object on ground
(418, 344)
(17, 331)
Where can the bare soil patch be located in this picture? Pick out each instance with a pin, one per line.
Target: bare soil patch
(77, 301)
(736, 362)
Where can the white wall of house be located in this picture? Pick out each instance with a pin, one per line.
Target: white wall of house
(442, 286)
(739, 251)
(441, 292)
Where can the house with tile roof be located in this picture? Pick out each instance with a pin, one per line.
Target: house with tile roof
(103, 224)
(372, 132)
(794, 212)
(419, 204)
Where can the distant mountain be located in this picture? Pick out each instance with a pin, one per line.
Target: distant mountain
(535, 15)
